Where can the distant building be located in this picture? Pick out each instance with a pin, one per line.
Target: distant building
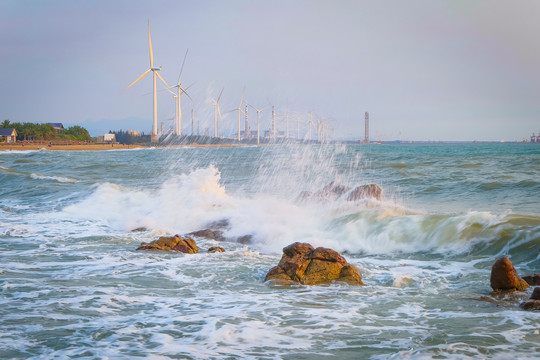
(8, 135)
(58, 127)
(106, 139)
(133, 133)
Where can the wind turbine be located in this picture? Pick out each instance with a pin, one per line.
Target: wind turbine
(258, 123)
(240, 111)
(179, 91)
(155, 73)
(216, 112)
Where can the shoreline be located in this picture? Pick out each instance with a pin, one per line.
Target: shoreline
(94, 147)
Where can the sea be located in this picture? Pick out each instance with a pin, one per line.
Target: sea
(73, 285)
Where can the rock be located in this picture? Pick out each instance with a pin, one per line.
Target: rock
(215, 249)
(140, 229)
(370, 191)
(534, 302)
(536, 294)
(304, 264)
(330, 192)
(532, 280)
(209, 234)
(172, 243)
(504, 276)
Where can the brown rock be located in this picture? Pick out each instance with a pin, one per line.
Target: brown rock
(209, 234)
(504, 276)
(536, 294)
(171, 243)
(215, 249)
(351, 275)
(532, 280)
(371, 191)
(301, 263)
(530, 305)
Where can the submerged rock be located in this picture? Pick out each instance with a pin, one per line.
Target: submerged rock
(534, 302)
(215, 249)
(304, 264)
(532, 280)
(504, 276)
(172, 243)
(371, 191)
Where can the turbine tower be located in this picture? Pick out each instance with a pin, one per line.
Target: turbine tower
(258, 123)
(155, 73)
(240, 111)
(216, 112)
(179, 91)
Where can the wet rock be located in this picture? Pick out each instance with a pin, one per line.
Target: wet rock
(504, 276)
(246, 239)
(172, 243)
(215, 249)
(534, 302)
(331, 191)
(209, 234)
(371, 191)
(140, 229)
(532, 280)
(304, 264)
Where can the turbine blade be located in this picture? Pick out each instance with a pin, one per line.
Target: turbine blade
(150, 43)
(167, 85)
(184, 91)
(182, 68)
(139, 78)
(217, 102)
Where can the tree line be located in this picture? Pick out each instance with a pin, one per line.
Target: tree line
(32, 131)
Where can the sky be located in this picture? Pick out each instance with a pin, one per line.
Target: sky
(424, 69)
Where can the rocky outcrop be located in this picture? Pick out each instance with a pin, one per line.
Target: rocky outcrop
(304, 264)
(504, 276)
(371, 191)
(209, 234)
(172, 243)
(334, 190)
(534, 302)
(215, 249)
(532, 280)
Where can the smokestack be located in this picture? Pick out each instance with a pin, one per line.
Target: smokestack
(366, 138)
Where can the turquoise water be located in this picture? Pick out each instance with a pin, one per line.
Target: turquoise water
(72, 285)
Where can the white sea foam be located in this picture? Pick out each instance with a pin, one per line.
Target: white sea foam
(61, 179)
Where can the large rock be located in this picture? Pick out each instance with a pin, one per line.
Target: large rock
(534, 302)
(331, 191)
(532, 280)
(304, 264)
(504, 276)
(371, 191)
(172, 243)
(209, 234)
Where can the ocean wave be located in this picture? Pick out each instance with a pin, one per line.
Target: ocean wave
(191, 201)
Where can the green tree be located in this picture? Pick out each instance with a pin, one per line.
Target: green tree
(5, 124)
(78, 133)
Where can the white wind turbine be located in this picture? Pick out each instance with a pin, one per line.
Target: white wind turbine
(179, 91)
(216, 112)
(240, 111)
(155, 73)
(258, 123)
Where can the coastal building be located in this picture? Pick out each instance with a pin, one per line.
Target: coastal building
(8, 135)
(59, 127)
(106, 139)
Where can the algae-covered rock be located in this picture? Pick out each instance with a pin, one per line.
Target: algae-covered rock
(504, 276)
(172, 243)
(303, 264)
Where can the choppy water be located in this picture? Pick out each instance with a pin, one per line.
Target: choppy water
(73, 286)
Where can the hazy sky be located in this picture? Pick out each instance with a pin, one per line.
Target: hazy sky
(425, 70)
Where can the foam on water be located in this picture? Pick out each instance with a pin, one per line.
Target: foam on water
(72, 284)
